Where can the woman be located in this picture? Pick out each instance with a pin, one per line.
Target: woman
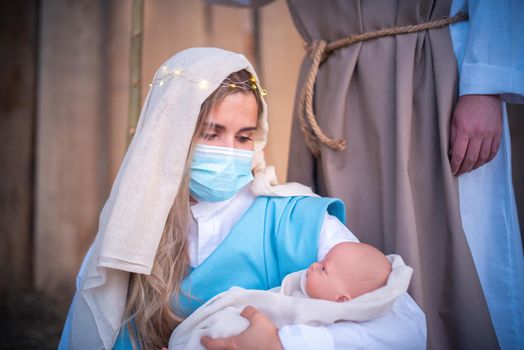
(184, 221)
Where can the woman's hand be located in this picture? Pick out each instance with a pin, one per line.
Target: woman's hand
(476, 129)
(260, 335)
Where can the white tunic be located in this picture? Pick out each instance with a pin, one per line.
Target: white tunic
(490, 54)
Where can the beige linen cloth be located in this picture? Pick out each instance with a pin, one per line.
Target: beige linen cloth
(285, 305)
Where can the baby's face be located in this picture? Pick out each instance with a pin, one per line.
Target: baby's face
(347, 271)
(326, 278)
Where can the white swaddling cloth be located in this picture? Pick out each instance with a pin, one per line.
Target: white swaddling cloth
(286, 305)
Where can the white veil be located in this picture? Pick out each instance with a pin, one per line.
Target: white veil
(133, 218)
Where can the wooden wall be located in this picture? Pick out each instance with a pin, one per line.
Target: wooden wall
(71, 138)
(79, 114)
(18, 48)
(516, 125)
(64, 95)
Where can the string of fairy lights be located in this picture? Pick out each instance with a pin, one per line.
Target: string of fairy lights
(165, 72)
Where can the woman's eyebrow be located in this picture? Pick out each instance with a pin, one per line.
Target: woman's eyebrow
(214, 126)
(249, 128)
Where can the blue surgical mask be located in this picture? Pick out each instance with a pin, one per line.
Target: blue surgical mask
(218, 173)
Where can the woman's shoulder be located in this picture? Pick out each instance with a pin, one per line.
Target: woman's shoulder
(305, 205)
(301, 199)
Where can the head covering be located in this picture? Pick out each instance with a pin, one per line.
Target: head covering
(133, 218)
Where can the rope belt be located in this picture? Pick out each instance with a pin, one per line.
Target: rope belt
(320, 50)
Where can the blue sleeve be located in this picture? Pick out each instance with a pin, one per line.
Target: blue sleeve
(489, 47)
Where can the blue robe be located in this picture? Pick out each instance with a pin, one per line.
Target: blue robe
(276, 236)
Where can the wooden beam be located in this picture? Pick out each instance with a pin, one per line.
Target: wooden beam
(71, 154)
(18, 44)
(135, 95)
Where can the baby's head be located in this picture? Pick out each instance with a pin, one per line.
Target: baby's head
(347, 271)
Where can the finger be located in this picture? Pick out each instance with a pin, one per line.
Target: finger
(205, 341)
(452, 138)
(495, 145)
(484, 153)
(249, 312)
(472, 154)
(216, 344)
(460, 146)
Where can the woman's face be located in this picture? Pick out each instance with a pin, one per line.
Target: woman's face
(233, 123)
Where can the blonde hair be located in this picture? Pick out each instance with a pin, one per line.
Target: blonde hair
(150, 296)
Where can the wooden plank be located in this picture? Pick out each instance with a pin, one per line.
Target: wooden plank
(135, 95)
(118, 79)
(516, 128)
(18, 44)
(71, 176)
(282, 54)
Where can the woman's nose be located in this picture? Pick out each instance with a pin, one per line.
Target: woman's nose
(227, 142)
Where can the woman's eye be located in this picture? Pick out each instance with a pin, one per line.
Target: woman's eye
(209, 137)
(244, 139)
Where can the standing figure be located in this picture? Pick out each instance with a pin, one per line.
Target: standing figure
(393, 135)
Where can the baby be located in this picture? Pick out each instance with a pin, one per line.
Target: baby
(347, 271)
(354, 282)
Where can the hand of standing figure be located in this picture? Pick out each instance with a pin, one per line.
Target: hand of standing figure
(476, 129)
(260, 335)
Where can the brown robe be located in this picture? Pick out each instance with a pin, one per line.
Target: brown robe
(391, 99)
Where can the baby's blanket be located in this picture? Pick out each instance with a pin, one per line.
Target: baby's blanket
(285, 305)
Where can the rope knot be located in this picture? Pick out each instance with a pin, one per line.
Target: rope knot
(319, 50)
(317, 47)
(308, 123)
